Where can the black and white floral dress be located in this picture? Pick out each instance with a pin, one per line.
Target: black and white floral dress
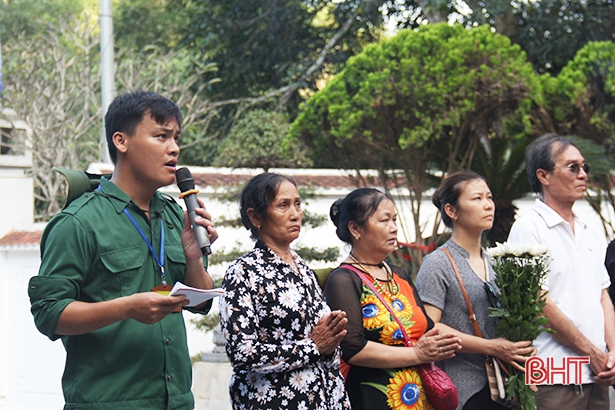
(266, 315)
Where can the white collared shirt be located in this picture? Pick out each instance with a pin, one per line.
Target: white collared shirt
(576, 279)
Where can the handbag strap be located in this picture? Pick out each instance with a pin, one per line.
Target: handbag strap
(369, 284)
(470, 310)
(464, 292)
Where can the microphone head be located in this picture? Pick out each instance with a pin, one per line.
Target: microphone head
(185, 182)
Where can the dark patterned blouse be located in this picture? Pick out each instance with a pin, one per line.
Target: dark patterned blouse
(266, 316)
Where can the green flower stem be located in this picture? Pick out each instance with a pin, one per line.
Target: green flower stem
(519, 279)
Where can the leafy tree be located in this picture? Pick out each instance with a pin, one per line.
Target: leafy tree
(174, 74)
(52, 82)
(581, 99)
(263, 45)
(257, 142)
(273, 53)
(243, 38)
(30, 17)
(552, 31)
(580, 102)
(422, 99)
(141, 23)
(549, 31)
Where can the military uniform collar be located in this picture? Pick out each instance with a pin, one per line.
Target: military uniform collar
(120, 200)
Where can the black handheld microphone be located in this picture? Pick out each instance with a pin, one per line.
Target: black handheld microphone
(185, 182)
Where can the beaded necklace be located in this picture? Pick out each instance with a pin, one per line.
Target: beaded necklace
(393, 287)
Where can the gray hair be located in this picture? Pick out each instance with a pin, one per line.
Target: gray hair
(540, 155)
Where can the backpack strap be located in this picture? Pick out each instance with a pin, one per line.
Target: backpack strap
(322, 275)
(79, 182)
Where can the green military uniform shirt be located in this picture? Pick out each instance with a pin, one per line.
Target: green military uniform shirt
(91, 252)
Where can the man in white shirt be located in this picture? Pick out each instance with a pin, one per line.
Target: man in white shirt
(579, 308)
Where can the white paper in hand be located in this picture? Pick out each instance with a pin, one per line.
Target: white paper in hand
(196, 296)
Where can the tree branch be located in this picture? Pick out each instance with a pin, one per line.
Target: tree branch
(260, 16)
(286, 91)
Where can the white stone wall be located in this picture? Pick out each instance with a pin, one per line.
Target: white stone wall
(16, 189)
(30, 364)
(16, 192)
(210, 385)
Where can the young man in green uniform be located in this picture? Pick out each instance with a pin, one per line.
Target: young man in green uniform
(102, 257)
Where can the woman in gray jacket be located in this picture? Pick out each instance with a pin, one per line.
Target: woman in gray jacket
(465, 203)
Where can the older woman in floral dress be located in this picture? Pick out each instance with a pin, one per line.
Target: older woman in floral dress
(280, 336)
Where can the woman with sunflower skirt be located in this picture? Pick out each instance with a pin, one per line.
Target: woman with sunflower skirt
(383, 373)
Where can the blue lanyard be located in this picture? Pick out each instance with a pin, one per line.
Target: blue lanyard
(159, 260)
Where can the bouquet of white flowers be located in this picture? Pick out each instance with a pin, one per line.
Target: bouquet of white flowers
(520, 271)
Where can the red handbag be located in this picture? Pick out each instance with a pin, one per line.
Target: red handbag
(439, 388)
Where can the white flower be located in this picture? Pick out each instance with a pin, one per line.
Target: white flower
(244, 322)
(246, 348)
(310, 377)
(299, 381)
(261, 396)
(285, 391)
(290, 299)
(295, 325)
(252, 379)
(278, 311)
(225, 309)
(277, 333)
(245, 301)
(518, 249)
(262, 385)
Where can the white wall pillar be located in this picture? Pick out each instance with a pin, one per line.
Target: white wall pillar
(30, 364)
(16, 188)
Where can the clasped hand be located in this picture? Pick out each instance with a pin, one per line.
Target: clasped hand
(603, 367)
(433, 346)
(329, 332)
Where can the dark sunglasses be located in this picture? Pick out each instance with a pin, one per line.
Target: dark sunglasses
(575, 167)
(492, 296)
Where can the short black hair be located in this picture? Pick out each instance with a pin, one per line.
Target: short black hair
(450, 190)
(258, 193)
(127, 111)
(539, 155)
(356, 207)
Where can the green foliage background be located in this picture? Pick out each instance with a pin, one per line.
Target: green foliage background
(414, 103)
(257, 141)
(432, 98)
